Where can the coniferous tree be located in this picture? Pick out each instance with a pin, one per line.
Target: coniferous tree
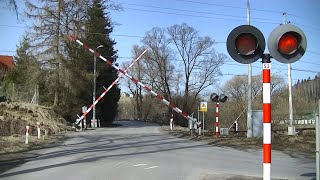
(98, 28)
(26, 74)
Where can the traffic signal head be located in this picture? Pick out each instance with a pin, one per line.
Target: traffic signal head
(223, 98)
(214, 97)
(287, 43)
(245, 44)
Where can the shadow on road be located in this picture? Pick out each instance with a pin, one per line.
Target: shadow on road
(106, 147)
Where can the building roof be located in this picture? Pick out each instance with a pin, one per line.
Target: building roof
(7, 60)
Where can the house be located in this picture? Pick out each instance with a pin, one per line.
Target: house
(6, 62)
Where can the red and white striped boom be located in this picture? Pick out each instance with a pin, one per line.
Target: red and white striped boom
(136, 81)
(106, 90)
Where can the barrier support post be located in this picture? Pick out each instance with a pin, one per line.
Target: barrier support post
(27, 134)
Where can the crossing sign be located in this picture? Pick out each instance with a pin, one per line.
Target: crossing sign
(203, 106)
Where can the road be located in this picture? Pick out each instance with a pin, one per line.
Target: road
(139, 151)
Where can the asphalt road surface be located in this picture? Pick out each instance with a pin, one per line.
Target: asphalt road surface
(139, 151)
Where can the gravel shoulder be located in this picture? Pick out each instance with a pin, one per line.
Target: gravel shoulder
(303, 144)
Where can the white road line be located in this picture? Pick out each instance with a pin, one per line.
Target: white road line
(118, 164)
(140, 165)
(151, 167)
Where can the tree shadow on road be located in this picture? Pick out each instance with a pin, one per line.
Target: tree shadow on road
(132, 143)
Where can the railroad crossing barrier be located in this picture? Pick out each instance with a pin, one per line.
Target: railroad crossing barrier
(136, 81)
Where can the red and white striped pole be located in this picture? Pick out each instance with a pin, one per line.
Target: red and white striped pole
(38, 129)
(136, 81)
(26, 131)
(266, 66)
(217, 119)
(106, 90)
(171, 122)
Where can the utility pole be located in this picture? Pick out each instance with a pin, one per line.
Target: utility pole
(317, 144)
(93, 122)
(291, 128)
(249, 113)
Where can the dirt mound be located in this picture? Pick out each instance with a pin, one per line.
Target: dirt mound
(15, 116)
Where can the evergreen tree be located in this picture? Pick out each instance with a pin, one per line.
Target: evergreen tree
(25, 75)
(99, 27)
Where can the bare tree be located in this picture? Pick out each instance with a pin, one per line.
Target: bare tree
(237, 89)
(13, 5)
(160, 71)
(138, 72)
(199, 60)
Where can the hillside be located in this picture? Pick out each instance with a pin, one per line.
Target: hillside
(15, 116)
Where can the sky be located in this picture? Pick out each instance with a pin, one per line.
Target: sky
(214, 18)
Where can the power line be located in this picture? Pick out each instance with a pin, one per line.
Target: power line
(191, 11)
(314, 52)
(196, 16)
(234, 7)
(282, 69)
(309, 62)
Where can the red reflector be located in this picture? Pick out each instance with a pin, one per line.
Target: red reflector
(246, 44)
(288, 44)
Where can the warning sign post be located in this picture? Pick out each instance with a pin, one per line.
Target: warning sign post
(203, 106)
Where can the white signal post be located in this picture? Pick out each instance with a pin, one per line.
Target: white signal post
(94, 121)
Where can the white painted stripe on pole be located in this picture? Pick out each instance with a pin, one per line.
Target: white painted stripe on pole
(217, 119)
(91, 50)
(266, 171)
(177, 110)
(151, 167)
(130, 77)
(217, 109)
(136, 165)
(154, 93)
(266, 133)
(38, 132)
(141, 84)
(217, 129)
(166, 102)
(266, 93)
(79, 42)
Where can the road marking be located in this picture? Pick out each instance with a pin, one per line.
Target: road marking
(140, 165)
(151, 167)
(118, 164)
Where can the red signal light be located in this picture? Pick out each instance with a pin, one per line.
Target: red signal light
(246, 44)
(288, 43)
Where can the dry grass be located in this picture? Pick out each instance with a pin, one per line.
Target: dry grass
(16, 143)
(15, 116)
